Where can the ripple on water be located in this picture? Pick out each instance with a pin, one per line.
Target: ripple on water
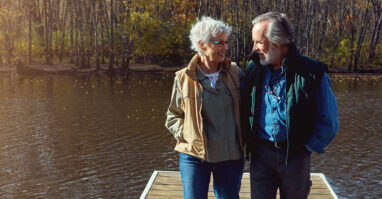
(58, 142)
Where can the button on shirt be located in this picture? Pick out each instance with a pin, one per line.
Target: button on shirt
(272, 120)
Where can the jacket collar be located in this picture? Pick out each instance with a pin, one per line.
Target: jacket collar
(191, 67)
(293, 55)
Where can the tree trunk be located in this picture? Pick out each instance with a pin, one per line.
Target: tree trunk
(9, 49)
(89, 20)
(63, 34)
(116, 55)
(237, 34)
(377, 11)
(361, 32)
(200, 12)
(305, 37)
(297, 14)
(77, 60)
(217, 10)
(81, 50)
(208, 13)
(100, 14)
(50, 32)
(46, 32)
(125, 51)
(352, 33)
(270, 7)
(111, 38)
(323, 30)
(124, 54)
(29, 33)
(286, 6)
(96, 33)
(340, 17)
(70, 5)
(245, 7)
(102, 42)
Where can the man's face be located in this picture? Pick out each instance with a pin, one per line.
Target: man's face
(269, 53)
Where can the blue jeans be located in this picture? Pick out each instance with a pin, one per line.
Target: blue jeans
(269, 172)
(196, 176)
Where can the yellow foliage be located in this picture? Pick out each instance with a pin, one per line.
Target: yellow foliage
(156, 35)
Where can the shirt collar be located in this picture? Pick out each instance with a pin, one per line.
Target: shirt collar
(268, 68)
(201, 76)
(191, 67)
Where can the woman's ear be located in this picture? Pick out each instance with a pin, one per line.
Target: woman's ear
(201, 46)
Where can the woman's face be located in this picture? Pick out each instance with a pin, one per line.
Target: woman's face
(216, 48)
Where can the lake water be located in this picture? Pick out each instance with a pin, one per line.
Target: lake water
(102, 137)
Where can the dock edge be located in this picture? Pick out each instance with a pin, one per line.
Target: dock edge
(149, 184)
(322, 176)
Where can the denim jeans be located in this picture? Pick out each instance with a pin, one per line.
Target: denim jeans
(196, 176)
(269, 172)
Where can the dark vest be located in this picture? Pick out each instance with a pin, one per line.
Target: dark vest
(303, 76)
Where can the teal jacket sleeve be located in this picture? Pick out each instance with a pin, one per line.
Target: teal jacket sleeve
(327, 123)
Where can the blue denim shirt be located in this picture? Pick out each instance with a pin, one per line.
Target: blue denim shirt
(272, 118)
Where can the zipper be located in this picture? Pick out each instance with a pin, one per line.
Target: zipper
(205, 144)
(287, 116)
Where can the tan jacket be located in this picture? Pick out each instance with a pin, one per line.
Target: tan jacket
(184, 117)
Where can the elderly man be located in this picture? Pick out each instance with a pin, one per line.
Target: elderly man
(288, 111)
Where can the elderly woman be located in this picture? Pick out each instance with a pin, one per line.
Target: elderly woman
(204, 115)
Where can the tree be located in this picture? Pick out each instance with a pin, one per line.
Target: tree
(340, 17)
(62, 28)
(95, 19)
(111, 38)
(377, 15)
(29, 16)
(71, 19)
(352, 29)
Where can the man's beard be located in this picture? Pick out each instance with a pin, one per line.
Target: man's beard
(271, 57)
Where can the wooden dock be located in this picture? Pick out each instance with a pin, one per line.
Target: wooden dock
(168, 185)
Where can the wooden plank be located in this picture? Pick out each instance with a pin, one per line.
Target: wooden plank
(313, 176)
(241, 197)
(179, 194)
(168, 176)
(164, 187)
(165, 184)
(177, 180)
(312, 191)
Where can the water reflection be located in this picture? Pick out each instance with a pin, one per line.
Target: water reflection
(102, 137)
(356, 151)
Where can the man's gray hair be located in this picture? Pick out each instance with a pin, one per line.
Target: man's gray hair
(280, 30)
(206, 28)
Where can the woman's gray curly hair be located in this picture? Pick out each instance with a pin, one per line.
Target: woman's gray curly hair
(280, 30)
(206, 28)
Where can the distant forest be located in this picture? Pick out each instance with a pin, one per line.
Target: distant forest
(87, 33)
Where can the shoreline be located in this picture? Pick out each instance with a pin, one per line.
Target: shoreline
(64, 68)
